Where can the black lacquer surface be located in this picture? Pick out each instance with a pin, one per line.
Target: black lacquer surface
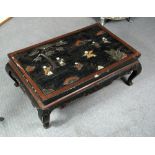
(62, 62)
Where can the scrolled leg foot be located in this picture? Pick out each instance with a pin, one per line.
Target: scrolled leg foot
(46, 121)
(129, 83)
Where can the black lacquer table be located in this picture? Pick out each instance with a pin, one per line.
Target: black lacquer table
(76, 64)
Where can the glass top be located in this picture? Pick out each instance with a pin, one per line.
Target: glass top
(64, 61)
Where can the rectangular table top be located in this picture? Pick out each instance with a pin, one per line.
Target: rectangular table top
(60, 64)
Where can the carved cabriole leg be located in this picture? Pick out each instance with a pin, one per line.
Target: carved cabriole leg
(8, 70)
(44, 116)
(136, 71)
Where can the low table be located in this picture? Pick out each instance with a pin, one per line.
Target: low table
(59, 70)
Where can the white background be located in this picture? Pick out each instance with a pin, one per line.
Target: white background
(78, 8)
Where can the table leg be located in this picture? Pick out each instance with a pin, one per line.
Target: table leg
(44, 116)
(136, 71)
(8, 70)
